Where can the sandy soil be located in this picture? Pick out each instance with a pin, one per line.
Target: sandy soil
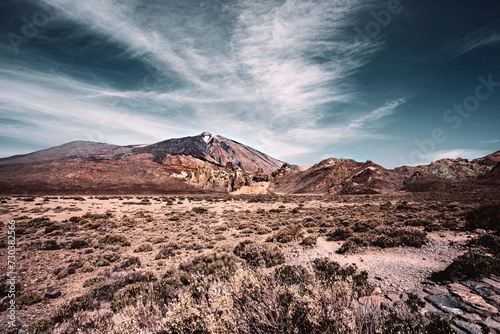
(228, 221)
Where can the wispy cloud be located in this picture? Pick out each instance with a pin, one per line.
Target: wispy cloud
(357, 128)
(485, 36)
(263, 72)
(452, 154)
(491, 141)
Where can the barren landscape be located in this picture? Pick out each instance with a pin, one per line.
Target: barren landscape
(198, 264)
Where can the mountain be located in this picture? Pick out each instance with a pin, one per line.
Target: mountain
(348, 177)
(215, 149)
(212, 163)
(79, 149)
(489, 160)
(492, 177)
(192, 164)
(338, 176)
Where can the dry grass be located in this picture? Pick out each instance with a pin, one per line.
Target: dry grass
(215, 265)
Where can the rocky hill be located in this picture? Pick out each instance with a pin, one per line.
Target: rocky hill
(74, 149)
(338, 176)
(203, 163)
(215, 149)
(213, 163)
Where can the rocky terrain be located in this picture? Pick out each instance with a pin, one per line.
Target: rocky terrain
(213, 163)
(84, 262)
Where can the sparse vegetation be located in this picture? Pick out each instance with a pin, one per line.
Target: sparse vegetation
(114, 239)
(224, 265)
(471, 265)
(259, 255)
(287, 234)
(485, 216)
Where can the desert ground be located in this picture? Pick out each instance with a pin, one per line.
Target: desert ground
(91, 264)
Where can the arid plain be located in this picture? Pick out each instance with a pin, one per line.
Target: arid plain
(207, 264)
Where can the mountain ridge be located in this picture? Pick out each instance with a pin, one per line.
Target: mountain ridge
(213, 163)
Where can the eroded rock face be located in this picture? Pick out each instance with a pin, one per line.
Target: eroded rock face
(229, 179)
(472, 305)
(337, 176)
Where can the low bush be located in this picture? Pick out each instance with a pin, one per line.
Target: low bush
(165, 252)
(199, 210)
(259, 255)
(28, 298)
(146, 247)
(114, 239)
(471, 265)
(287, 234)
(385, 238)
(133, 293)
(215, 264)
(341, 233)
(309, 241)
(289, 299)
(486, 216)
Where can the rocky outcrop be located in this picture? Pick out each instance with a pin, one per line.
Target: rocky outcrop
(492, 177)
(471, 306)
(208, 162)
(337, 176)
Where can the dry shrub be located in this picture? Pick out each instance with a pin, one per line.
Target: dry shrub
(290, 299)
(309, 241)
(131, 294)
(287, 234)
(341, 233)
(385, 237)
(471, 265)
(165, 252)
(199, 210)
(114, 239)
(145, 247)
(216, 264)
(259, 255)
(486, 216)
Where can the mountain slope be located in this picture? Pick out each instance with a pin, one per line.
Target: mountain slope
(80, 149)
(338, 176)
(215, 149)
(205, 163)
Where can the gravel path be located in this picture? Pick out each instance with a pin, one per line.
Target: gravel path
(393, 269)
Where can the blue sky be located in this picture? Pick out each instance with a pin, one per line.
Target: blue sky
(396, 82)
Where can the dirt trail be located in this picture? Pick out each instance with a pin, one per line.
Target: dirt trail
(393, 269)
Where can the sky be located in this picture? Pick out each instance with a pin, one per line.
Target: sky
(396, 82)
